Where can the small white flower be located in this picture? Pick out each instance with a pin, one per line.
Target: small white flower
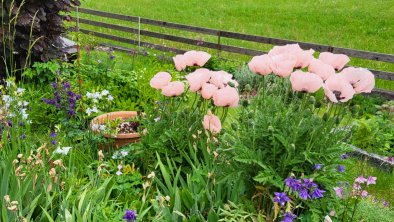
(95, 127)
(63, 151)
(94, 109)
(110, 98)
(88, 111)
(120, 166)
(89, 95)
(102, 127)
(25, 103)
(151, 175)
(7, 98)
(114, 157)
(20, 90)
(118, 173)
(104, 92)
(157, 119)
(124, 153)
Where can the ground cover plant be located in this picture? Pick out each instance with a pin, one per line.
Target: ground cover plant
(220, 140)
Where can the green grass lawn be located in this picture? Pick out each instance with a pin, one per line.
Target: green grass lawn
(364, 25)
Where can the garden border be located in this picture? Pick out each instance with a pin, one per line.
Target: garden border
(374, 56)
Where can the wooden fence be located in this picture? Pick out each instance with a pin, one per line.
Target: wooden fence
(218, 34)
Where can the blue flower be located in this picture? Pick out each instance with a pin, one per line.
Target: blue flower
(318, 166)
(344, 156)
(308, 183)
(341, 168)
(288, 217)
(293, 183)
(54, 142)
(281, 198)
(130, 215)
(53, 134)
(304, 194)
(317, 193)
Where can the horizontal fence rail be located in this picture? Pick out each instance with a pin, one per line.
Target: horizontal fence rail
(374, 56)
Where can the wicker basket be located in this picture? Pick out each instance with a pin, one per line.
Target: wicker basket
(119, 139)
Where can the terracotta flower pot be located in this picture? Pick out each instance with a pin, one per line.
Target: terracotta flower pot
(119, 139)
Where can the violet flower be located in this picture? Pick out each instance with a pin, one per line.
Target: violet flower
(289, 217)
(130, 215)
(293, 183)
(281, 198)
(341, 168)
(371, 180)
(318, 166)
(317, 193)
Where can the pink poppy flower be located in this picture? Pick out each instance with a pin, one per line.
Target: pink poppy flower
(160, 80)
(321, 69)
(175, 88)
(282, 65)
(304, 58)
(362, 80)
(293, 52)
(220, 78)
(364, 193)
(208, 90)
(360, 179)
(197, 78)
(338, 61)
(261, 65)
(371, 180)
(212, 123)
(339, 191)
(327, 219)
(198, 58)
(227, 97)
(337, 89)
(180, 62)
(305, 82)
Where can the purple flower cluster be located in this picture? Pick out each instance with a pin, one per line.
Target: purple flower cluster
(64, 98)
(305, 188)
(130, 215)
(53, 136)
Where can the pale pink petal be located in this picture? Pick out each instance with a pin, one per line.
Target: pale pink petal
(304, 58)
(212, 123)
(261, 65)
(305, 82)
(202, 58)
(321, 69)
(227, 97)
(198, 58)
(160, 80)
(220, 78)
(363, 80)
(282, 65)
(175, 88)
(340, 87)
(179, 62)
(338, 61)
(208, 90)
(197, 78)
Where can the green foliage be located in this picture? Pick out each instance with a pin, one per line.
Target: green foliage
(282, 134)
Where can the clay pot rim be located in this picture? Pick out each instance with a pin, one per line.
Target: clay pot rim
(111, 116)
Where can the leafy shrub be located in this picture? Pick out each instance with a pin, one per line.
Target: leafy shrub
(31, 29)
(282, 135)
